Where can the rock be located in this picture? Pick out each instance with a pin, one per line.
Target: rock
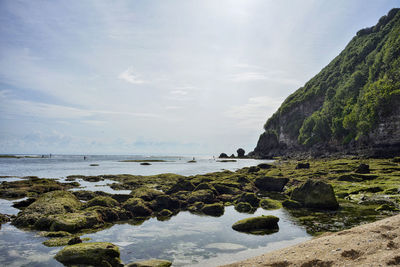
(51, 203)
(291, 204)
(240, 152)
(315, 194)
(271, 183)
(387, 207)
(145, 163)
(23, 203)
(302, 165)
(56, 234)
(92, 179)
(4, 218)
(102, 254)
(138, 207)
(84, 194)
(121, 197)
(102, 201)
(253, 169)
(362, 168)
(146, 193)
(181, 185)
(226, 189)
(70, 222)
(204, 195)
(165, 202)
(216, 209)
(223, 156)
(265, 166)
(232, 156)
(206, 186)
(257, 224)
(244, 207)
(150, 263)
(75, 240)
(250, 198)
(270, 204)
(165, 213)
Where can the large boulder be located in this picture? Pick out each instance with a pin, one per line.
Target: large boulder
(181, 185)
(261, 224)
(315, 194)
(102, 254)
(51, 203)
(271, 183)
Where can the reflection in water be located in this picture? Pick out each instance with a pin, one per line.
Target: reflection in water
(189, 239)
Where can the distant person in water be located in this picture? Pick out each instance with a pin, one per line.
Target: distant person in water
(84, 157)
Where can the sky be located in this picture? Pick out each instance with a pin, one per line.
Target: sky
(161, 77)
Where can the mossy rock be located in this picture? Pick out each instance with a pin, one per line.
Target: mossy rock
(138, 207)
(291, 204)
(265, 166)
(258, 225)
(206, 186)
(103, 202)
(56, 234)
(4, 218)
(165, 213)
(181, 185)
(225, 189)
(145, 193)
(244, 207)
(62, 241)
(204, 195)
(271, 183)
(392, 191)
(165, 202)
(216, 209)
(111, 214)
(270, 204)
(102, 254)
(250, 198)
(150, 263)
(315, 194)
(396, 159)
(70, 222)
(387, 207)
(49, 204)
(84, 195)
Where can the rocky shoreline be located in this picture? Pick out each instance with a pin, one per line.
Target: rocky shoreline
(323, 195)
(373, 244)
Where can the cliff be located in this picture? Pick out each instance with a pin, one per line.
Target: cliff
(351, 107)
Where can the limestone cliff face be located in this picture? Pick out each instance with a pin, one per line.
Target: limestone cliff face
(351, 107)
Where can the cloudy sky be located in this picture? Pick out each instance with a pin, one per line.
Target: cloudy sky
(160, 77)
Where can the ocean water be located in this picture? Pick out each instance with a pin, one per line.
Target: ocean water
(186, 239)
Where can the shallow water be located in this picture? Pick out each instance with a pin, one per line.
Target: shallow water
(186, 239)
(59, 166)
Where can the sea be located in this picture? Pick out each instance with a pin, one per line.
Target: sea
(186, 239)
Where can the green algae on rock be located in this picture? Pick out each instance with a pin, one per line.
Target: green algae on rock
(315, 194)
(102, 254)
(257, 225)
(270, 204)
(216, 209)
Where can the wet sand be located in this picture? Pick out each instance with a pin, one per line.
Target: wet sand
(373, 244)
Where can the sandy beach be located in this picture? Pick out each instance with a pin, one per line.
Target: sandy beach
(373, 244)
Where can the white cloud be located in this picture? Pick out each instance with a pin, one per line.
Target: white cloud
(130, 76)
(179, 92)
(253, 114)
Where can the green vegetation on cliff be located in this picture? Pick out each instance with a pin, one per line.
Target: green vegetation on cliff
(348, 99)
